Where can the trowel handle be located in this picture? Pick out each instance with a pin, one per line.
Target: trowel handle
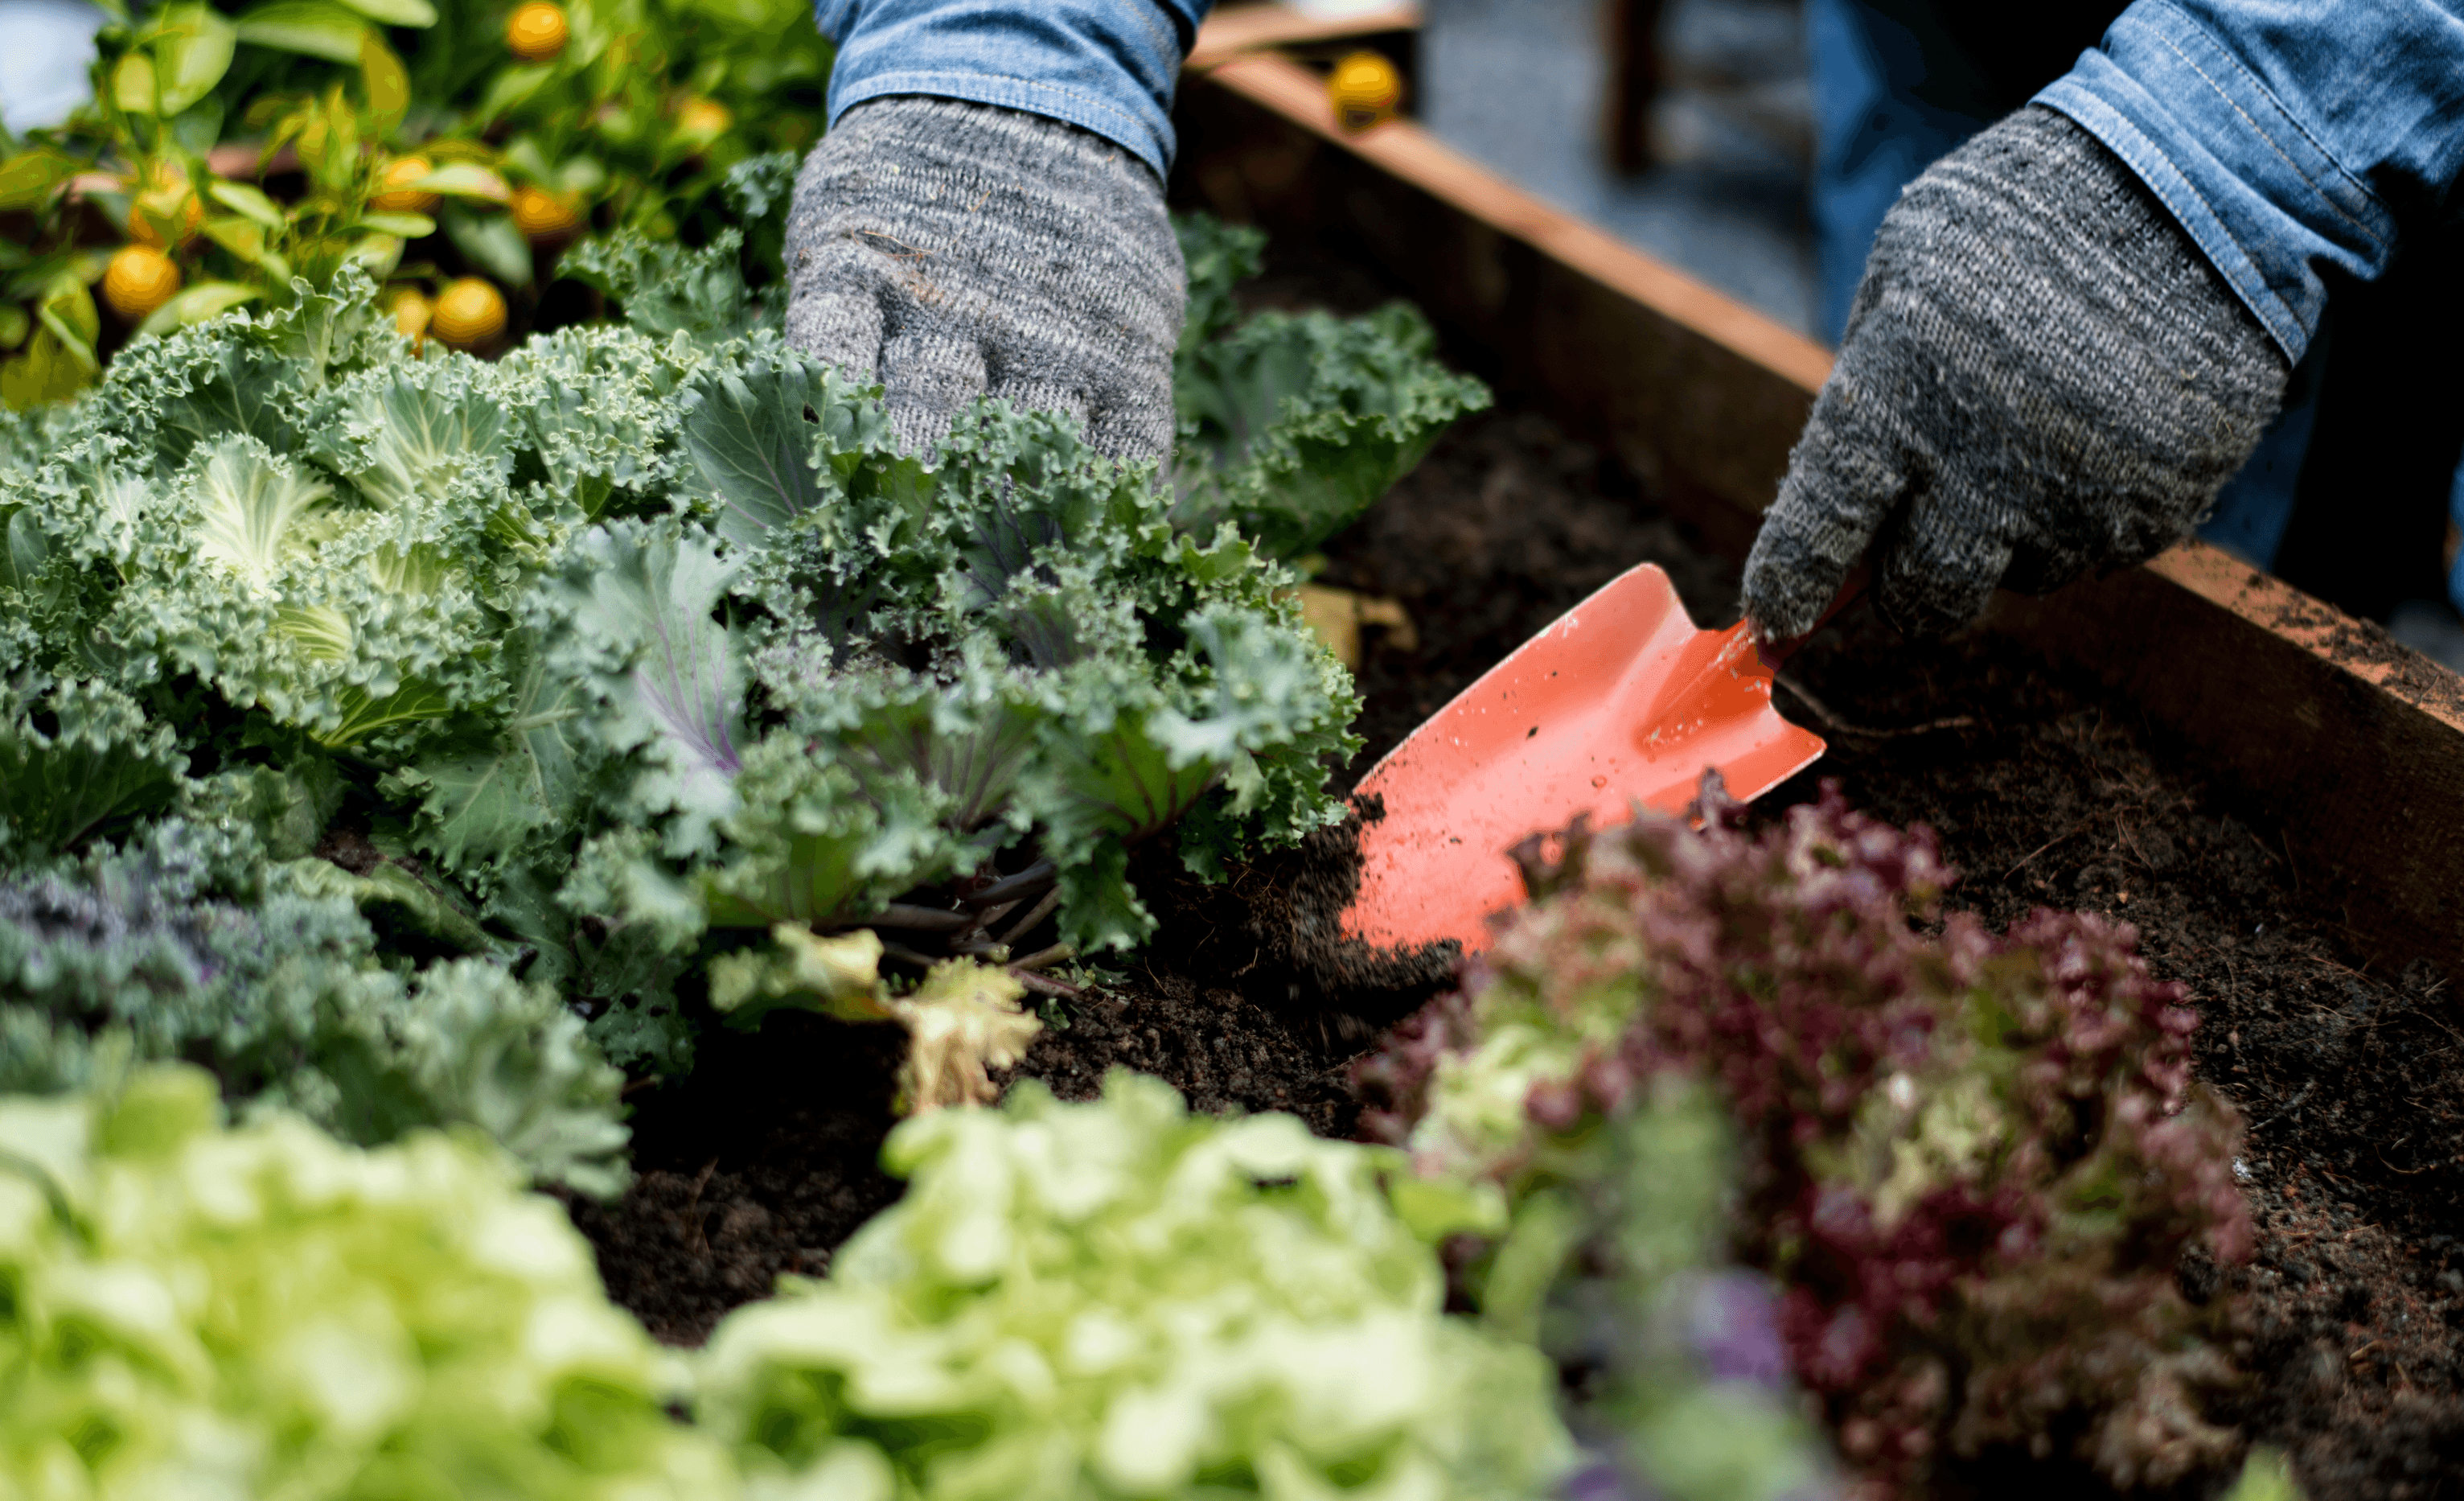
(1775, 653)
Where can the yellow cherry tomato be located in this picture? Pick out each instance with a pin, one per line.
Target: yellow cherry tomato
(139, 280)
(541, 215)
(703, 119)
(1364, 89)
(467, 314)
(396, 195)
(536, 32)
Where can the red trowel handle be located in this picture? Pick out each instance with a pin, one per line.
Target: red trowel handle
(1775, 653)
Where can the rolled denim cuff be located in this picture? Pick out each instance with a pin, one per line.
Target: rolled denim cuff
(1104, 66)
(2272, 133)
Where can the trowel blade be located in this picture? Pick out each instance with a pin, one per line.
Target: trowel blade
(1622, 700)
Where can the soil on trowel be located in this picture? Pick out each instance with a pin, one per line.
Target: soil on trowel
(2044, 789)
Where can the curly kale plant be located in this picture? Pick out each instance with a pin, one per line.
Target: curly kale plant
(261, 1310)
(1120, 1299)
(644, 646)
(1973, 1163)
(148, 949)
(1291, 424)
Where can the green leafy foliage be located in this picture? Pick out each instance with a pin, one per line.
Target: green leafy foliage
(612, 656)
(262, 1310)
(151, 951)
(77, 761)
(1616, 1261)
(1972, 1163)
(1293, 425)
(243, 144)
(1120, 1299)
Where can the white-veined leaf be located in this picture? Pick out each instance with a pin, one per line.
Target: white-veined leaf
(406, 226)
(396, 13)
(200, 303)
(248, 200)
(256, 511)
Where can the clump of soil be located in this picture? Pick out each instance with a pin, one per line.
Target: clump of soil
(2045, 789)
(758, 1162)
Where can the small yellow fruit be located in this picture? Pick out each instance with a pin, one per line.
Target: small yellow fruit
(541, 215)
(395, 195)
(139, 280)
(163, 198)
(468, 314)
(149, 213)
(411, 314)
(536, 32)
(704, 120)
(1365, 90)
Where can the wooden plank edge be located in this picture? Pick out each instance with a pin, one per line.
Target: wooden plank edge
(2363, 772)
(1409, 152)
(1235, 30)
(2316, 626)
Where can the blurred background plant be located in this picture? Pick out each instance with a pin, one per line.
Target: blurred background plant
(455, 150)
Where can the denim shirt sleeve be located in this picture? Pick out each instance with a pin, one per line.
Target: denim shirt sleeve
(1106, 66)
(2291, 138)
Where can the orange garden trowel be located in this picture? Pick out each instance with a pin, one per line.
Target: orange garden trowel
(1620, 702)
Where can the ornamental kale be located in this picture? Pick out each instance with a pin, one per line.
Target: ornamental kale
(1120, 1299)
(262, 1310)
(1293, 425)
(149, 950)
(602, 663)
(1974, 1163)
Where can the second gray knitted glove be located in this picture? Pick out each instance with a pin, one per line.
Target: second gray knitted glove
(2042, 375)
(954, 250)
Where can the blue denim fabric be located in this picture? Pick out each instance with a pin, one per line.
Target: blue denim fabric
(2455, 516)
(1106, 66)
(1872, 135)
(2289, 137)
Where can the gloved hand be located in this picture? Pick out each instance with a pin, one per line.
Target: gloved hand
(2042, 375)
(953, 250)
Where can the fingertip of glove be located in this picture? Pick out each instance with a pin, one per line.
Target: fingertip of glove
(1785, 587)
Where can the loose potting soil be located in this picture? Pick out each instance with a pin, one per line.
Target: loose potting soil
(2044, 788)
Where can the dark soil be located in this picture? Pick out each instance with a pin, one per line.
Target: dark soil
(2346, 1074)
(2044, 788)
(2048, 790)
(767, 1156)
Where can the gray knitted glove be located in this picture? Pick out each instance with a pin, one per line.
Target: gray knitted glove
(2042, 375)
(955, 251)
